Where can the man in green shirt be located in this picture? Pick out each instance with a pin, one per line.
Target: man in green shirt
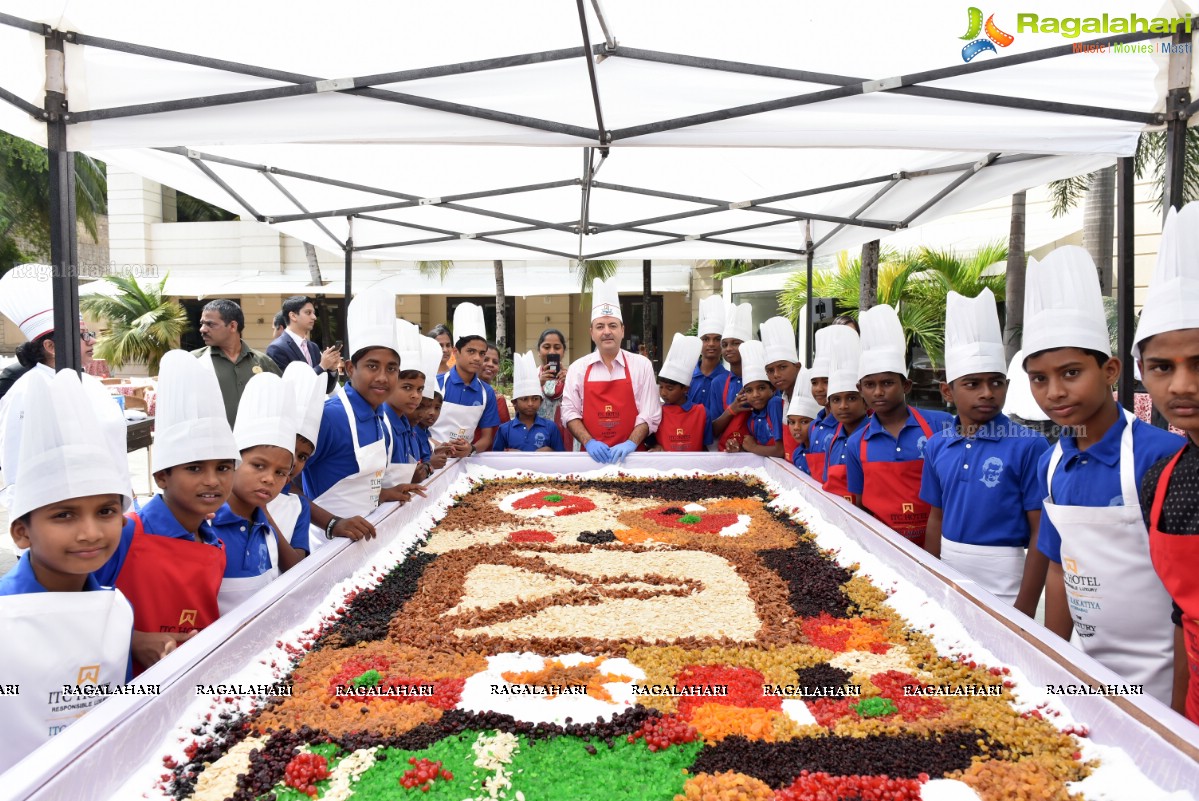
(233, 361)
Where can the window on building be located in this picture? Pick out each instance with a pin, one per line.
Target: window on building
(633, 309)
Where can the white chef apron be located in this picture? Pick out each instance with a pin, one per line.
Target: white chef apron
(234, 591)
(357, 494)
(397, 474)
(1120, 609)
(457, 421)
(999, 569)
(65, 638)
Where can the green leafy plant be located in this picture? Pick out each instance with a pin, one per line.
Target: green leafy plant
(143, 323)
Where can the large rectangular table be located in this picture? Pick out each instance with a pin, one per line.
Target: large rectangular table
(94, 757)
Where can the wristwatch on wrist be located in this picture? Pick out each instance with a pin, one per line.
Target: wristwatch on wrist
(333, 521)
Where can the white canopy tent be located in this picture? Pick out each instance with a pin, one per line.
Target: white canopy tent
(473, 130)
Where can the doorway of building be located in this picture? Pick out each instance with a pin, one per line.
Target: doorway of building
(488, 304)
(633, 309)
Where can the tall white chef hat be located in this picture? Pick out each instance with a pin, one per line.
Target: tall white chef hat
(26, 298)
(430, 360)
(844, 348)
(469, 322)
(1063, 305)
(266, 414)
(681, 358)
(803, 404)
(408, 345)
(1173, 300)
(779, 339)
(61, 456)
(820, 358)
(973, 341)
(1020, 400)
(753, 362)
(371, 319)
(605, 299)
(711, 316)
(884, 348)
(190, 425)
(739, 322)
(307, 398)
(525, 374)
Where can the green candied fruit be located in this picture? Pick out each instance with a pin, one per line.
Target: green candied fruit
(690, 519)
(554, 498)
(875, 707)
(370, 678)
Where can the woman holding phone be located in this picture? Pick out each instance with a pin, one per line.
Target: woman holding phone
(551, 346)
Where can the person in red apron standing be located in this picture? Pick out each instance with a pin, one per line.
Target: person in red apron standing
(980, 476)
(782, 367)
(823, 425)
(765, 424)
(885, 458)
(709, 372)
(684, 425)
(1167, 349)
(344, 476)
(727, 410)
(800, 413)
(60, 626)
(610, 403)
(170, 561)
(842, 348)
(468, 404)
(1101, 590)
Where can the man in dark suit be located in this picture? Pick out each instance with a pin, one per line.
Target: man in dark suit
(293, 345)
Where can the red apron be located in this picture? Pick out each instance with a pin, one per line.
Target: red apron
(815, 465)
(738, 427)
(172, 584)
(891, 491)
(682, 431)
(1173, 558)
(789, 443)
(609, 409)
(836, 479)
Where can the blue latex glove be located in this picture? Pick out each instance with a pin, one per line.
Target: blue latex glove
(598, 451)
(619, 452)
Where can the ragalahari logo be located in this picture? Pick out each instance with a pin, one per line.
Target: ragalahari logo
(993, 36)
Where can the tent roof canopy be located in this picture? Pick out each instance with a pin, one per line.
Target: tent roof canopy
(731, 151)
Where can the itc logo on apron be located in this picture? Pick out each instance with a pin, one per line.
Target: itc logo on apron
(187, 617)
(88, 674)
(909, 508)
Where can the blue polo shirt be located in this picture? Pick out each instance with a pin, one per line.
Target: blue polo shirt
(21, 580)
(821, 432)
(515, 434)
(701, 385)
(476, 393)
(157, 519)
(246, 550)
(766, 425)
(406, 449)
(721, 395)
(1092, 477)
(798, 456)
(882, 447)
(420, 436)
(837, 446)
(981, 482)
(334, 457)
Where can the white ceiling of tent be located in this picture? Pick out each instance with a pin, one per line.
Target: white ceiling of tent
(401, 147)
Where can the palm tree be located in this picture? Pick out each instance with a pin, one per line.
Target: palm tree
(143, 323)
(914, 282)
(588, 272)
(501, 317)
(1017, 267)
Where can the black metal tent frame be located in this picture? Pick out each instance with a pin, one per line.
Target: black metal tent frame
(57, 116)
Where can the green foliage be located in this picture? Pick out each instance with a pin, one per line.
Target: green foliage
(1150, 156)
(914, 282)
(588, 272)
(727, 268)
(143, 324)
(192, 209)
(435, 268)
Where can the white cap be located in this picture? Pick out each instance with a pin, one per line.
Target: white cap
(430, 360)
(1063, 305)
(973, 341)
(605, 299)
(681, 358)
(408, 345)
(739, 322)
(307, 398)
(266, 414)
(711, 316)
(820, 358)
(469, 322)
(371, 319)
(803, 404)
(844, 349)
(779, 338)
(26, 299)
(525, 376)
(61, 456)
(1172, 303)
(753, 362)
(190, 424)
(1020, 400)
(884, 349)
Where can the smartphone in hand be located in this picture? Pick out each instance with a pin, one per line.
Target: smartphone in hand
(554, 360)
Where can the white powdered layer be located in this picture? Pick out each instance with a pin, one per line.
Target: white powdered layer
(947, 790)
(1118, 778)
(738, 528)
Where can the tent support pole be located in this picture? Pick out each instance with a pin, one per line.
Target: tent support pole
(349, 284)
(954, 184)
(591, 77)
(810, 322)
(1178, 98)
(1126, 275)
(862, 209)
(283, 191)
(68, 353)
